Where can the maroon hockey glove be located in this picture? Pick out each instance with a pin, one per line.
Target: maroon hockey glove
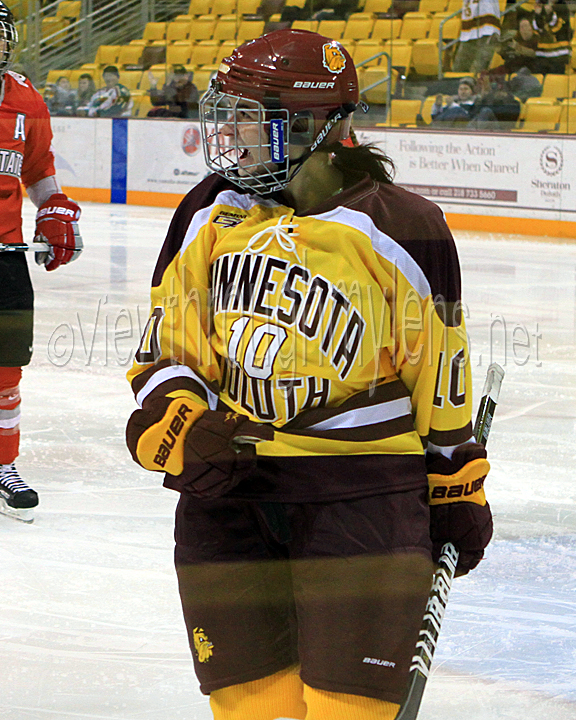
(57, 225)
(219, 452)
(459, 512)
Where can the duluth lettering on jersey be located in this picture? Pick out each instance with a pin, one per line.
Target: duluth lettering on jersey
(11, 162)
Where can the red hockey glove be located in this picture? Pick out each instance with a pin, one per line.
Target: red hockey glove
(155, 435)
(459, 512)
(56, 224)
(219, 452)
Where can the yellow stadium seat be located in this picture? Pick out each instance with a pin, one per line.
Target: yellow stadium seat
(415, 26)
(69, 10)
(450, 29)
(154, 31)
(332, 28)
(454, 6)
(199, 7)
(559, 86)
(223, 7)
(432, 6)
(225, 50)
(540, 115)
(131, 78)
(204, 53)
(295, 3)
(138, 41)
(426, 109)
(159, 75)
(377, 95)
(400, 54)
(247, 7)
(311, 25)
(91, 68)
(179, 53)
(129, 55)
(358, 27)
(249, 30)
(567, 121)
(366, 49)
(107, 54)
(377, 6)
(55, 29)
(202, 79)
(177, 31)
(425, 57)
(386, 28)
(403, 112)
(202, 28)
(225, 28)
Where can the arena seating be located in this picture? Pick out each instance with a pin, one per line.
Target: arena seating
(211, 29)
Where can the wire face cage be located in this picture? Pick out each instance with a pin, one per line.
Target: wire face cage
(245, 142)
(8, 42)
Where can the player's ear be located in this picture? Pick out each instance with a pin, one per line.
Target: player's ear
(302, 128)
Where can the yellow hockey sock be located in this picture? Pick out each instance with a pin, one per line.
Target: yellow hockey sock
(275, 696)
(324, 705)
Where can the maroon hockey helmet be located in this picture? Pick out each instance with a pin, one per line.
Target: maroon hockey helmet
(300, 87)
(8, 38)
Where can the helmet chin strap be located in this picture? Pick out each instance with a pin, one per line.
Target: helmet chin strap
(334, 117)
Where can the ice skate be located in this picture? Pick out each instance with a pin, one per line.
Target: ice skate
(17, 500)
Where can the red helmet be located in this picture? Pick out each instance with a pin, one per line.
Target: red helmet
(291, 75)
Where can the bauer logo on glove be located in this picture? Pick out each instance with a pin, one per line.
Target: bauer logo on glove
(56, 224)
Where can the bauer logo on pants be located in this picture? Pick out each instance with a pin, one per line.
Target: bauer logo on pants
(202, 645)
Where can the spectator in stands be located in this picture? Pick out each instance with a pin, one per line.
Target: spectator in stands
(178, 98)
(520, 50)
(113, 100)
(552, 22)
(86, 89)
(60, 98)
(524, 85)
(479, 35)
(458, 110)
(495, 108)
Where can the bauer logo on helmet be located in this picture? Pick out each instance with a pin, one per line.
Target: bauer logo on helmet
(333, 58)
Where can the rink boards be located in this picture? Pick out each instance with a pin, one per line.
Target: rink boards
(483, 181)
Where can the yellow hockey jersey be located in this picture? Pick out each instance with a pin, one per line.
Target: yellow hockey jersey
(341, 327)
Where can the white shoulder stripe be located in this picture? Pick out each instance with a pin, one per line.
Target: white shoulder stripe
(226, 197)
(383, 244)
(169, 373)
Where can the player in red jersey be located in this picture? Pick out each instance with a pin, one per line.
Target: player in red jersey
(25, 157)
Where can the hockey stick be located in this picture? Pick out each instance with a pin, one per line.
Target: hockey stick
(23, 247)
(442, 581)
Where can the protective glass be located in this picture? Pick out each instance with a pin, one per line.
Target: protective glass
(245, 142)
(8, 42)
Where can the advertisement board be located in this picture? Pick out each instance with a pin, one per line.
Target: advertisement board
(483, 173)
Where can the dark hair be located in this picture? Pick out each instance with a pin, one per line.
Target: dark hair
(366, 158)
(86, 76)
(112, 69)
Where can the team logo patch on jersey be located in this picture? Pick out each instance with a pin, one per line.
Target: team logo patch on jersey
(203, 646)
(228, 219)
(333, 58)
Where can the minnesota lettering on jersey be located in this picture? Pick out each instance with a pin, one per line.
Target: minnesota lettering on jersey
(274, 289)
(11, 162)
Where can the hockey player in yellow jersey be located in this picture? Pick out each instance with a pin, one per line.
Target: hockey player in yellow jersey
(304, 383)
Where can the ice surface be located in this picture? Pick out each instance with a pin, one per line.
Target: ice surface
(91, 623)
